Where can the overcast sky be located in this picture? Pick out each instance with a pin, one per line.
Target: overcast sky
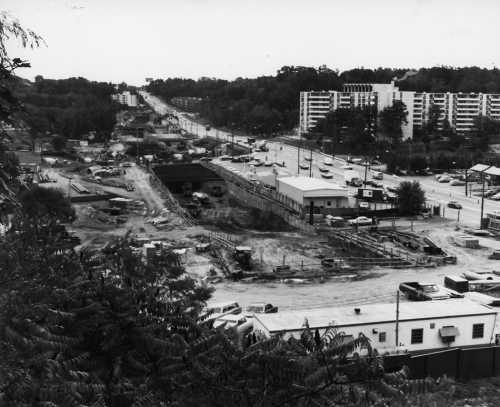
(129, 40)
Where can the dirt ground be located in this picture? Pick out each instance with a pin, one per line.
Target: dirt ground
(272, 242)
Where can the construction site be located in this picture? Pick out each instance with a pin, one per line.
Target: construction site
(248, 245)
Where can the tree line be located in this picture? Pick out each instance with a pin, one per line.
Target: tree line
(270, 104)
(72, 108)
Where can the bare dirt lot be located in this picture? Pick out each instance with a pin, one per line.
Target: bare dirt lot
(273, 241)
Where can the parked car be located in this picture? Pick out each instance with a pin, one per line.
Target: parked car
(367, 182)
(224, 157)
(362, 220)
(495, 197)
(445, 179)
(230, 320)
(308, 158)
(437, 176)
(224, 308)
(323, 169)
(206, 159)
(454, 204)
(427, 291)
(391, 188)
(364, 206)
(456, 183)
(304, 166)
(256, 163)
(268, 164)
(347, 167)
(327, 175)
(328, 161)
(377, 184)
(259, 308)
(495, 213)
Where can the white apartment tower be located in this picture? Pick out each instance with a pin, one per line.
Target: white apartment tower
(126, 98)
(459, 108)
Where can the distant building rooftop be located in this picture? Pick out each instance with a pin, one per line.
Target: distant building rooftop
(309, 184)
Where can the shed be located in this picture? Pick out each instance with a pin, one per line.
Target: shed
(466, 241)
(305, 190)
(419, 324)
(148, 249)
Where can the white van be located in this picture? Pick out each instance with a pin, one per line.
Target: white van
(378, 175)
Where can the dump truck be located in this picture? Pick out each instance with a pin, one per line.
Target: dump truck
(352, 178)
(217, 190)
(427, 291)
(187, 189)
(193, 209)
(243, 255)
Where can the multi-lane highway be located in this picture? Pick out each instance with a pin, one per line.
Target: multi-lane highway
(436, 193)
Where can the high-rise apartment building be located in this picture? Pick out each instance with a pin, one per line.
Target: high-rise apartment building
(459, 108)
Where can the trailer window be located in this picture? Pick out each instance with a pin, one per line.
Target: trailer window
(477, 331)
(417, 336)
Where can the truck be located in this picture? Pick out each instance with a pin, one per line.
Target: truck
(217, 190)
(201, 197)
(378, 175)
(250, 141)
(427, 291)
(187, 189)
(263, 146)
(193, 209)
(352, 178)
(372, 195)
(259, 308)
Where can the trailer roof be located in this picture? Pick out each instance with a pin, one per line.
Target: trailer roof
(372, 313)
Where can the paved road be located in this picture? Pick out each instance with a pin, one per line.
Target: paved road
(435, 192)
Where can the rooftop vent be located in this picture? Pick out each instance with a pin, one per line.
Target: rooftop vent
(357, 310)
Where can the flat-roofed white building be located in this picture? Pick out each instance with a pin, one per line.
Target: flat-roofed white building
(126, 98)
(304, 190)
(422, 326)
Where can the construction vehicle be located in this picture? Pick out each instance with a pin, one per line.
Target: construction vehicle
(217, 190)
(187, 189)
(201, 197)
(263, 146)
(243, 255)
(193, 209)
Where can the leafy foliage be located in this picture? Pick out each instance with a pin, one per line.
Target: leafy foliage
(38, 203)
(410, 197)
(392, 119)
(88, 329)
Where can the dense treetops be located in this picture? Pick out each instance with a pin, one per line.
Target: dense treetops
(271, 103)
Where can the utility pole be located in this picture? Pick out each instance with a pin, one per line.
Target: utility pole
(310, 165)
(397, 319)
(137, 142)
(482, 201)
(298, 153)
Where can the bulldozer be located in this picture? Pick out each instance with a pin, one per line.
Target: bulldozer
(217, 190)
(243, 256)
